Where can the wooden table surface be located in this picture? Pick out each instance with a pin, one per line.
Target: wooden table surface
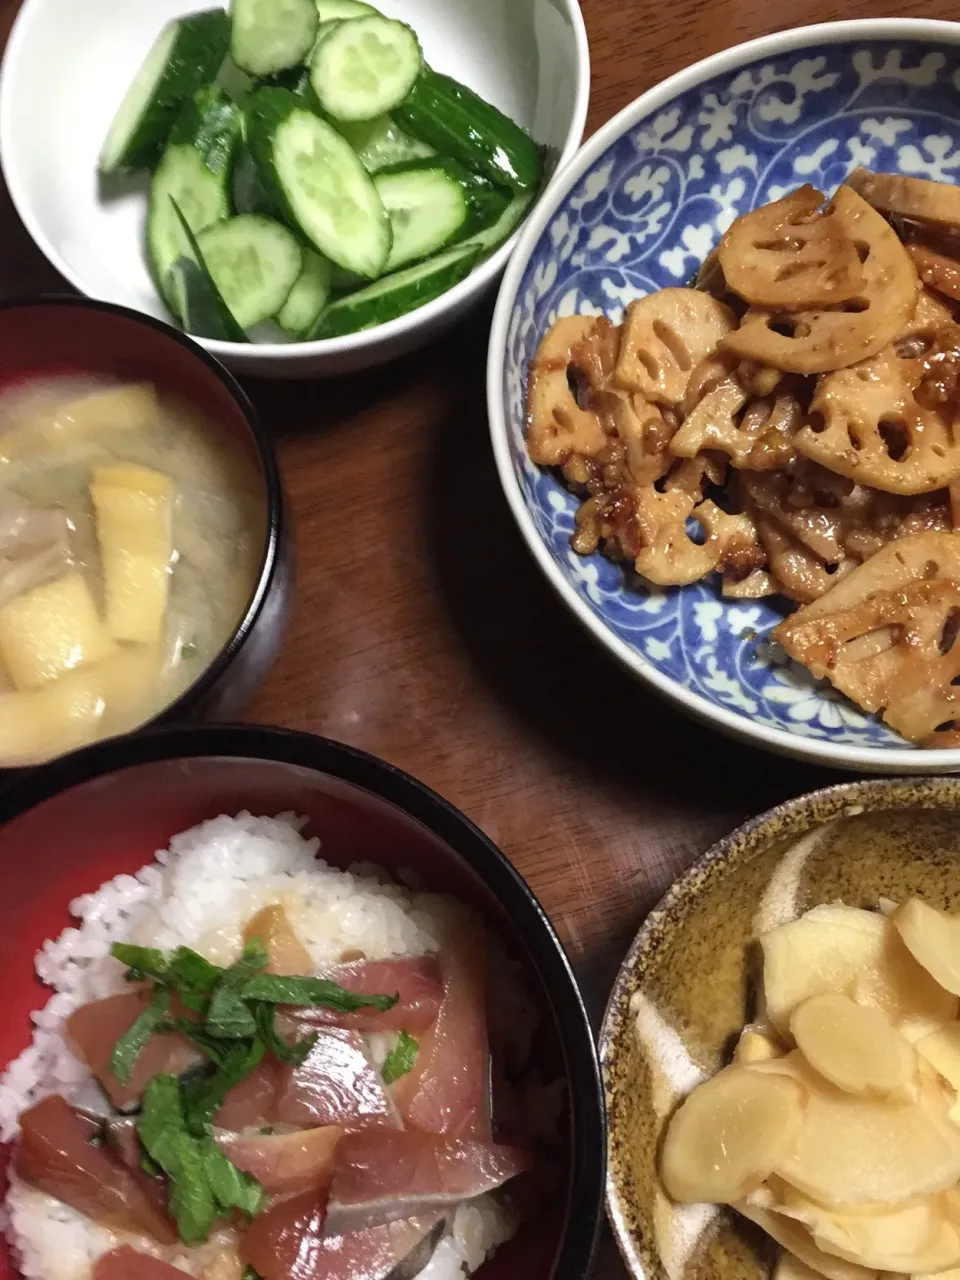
(423, 631)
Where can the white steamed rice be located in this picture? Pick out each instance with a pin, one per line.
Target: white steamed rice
(199, 893)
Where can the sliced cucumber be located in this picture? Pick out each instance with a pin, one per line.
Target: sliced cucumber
(324, 29)
(458, 123)
(254, 263)
(382, 142)
(395, 295)
(212, 123)
(296, 79)
(201, 196)
(490, 237)
(199, 303)
(364, 67)
(308, 296)
(315, 177)
(428, 210)
(332, 10)
(346, 281)
(186, 54)
(237, 83)
(434, 204)
(191, 181)
(487, 203)
(249, 193)
(270, 35)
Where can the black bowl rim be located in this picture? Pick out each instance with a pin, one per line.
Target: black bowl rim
(288, 746)
(276, 516)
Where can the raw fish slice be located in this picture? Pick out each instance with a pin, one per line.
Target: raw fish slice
(286, 1242)
(94, 1030)
(448, 1090)
(253, 1102)
(283, 1242)
(121, 1138)
(417, 981)
(55, 1154)
(127, 1263)
(337, 1085)
(398, 1251)
(383, 1175)
(286, 1162)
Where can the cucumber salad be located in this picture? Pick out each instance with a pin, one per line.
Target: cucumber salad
(311, 175)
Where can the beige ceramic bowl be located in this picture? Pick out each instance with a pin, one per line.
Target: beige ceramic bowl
(681, 996)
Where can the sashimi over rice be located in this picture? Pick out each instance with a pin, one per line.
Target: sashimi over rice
(256, 1065)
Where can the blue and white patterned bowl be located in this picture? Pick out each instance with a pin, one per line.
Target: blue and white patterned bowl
(638, 208)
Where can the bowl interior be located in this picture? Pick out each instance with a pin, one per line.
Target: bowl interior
(521, 54)
(114, 822)
(681, 996)
(642, 215)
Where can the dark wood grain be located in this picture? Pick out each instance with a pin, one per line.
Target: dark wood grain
(423, 631)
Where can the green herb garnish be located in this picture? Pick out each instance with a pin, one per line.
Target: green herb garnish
(203, 1181)
(232, 1189)
(127, 1048)
(232, 1021)
(192, 977)
(162, 1130)
(277, 989)
(142, 962)
(188, 650)
(203, 1098)
(229, 1016)
(294, 1055)
(400, 1059)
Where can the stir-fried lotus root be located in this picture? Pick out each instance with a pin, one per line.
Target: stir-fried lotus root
(886, 636)
(784, 423)
(788, 255)
(889, 422)
(918, 199)
(558, 426)
(819, 340)
(665, 335)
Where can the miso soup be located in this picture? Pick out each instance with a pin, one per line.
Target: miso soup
(132, 532)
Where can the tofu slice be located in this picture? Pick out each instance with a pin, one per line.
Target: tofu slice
(132, 408)
(134, 510)
(51, 630)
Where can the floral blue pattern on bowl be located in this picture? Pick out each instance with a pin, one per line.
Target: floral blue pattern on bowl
(644, 216)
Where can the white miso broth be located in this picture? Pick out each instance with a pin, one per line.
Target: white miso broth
(132, 531)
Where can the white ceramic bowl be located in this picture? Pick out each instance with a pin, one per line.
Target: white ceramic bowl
(68, 64)
(642, 204)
